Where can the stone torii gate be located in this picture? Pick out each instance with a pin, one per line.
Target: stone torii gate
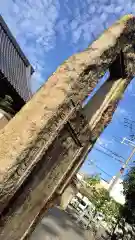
(44, 145)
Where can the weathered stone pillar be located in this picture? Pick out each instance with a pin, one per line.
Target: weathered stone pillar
(67, 196)
(45, 143)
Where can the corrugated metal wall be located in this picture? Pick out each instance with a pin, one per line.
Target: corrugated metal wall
(12, 64)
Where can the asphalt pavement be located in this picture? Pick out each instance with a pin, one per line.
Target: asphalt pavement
(58, 225)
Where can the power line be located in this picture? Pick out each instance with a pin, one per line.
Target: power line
(99, 150)
(130, 165)
(114, 153)
(101, 169)
(104, 171)
(117, 139)
(120, 173)
(130, 124)
(127, 120)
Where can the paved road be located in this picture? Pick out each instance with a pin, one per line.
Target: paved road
(58, 225)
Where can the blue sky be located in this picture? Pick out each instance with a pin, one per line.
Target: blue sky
(111, 139)
(49, 31)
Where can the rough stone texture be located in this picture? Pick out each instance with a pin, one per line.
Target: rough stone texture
(98, 109)
(44, 144)
(72, 80)
(67, 195)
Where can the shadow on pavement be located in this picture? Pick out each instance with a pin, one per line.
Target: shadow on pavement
(64, 220)
(44, 233)
(58, 225)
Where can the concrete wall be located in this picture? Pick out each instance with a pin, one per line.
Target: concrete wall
(117, 191)
(67, 195)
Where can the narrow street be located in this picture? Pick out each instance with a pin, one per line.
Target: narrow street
(58, 225)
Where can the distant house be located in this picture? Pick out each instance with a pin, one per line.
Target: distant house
(15, 71)
(117, 191)
(103, 184)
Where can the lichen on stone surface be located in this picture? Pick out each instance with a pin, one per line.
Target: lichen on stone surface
(125, 18)
(118, 94)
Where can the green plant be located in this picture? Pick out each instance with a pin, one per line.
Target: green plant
(100, 198)
(125, 18)
(128, 211)
(102, 74)
(92, 180)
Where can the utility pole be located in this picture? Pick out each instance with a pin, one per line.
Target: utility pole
(125, 164)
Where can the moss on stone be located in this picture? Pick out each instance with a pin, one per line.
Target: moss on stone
(125, 18)
(119, 92)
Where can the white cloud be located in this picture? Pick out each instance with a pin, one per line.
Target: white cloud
(33, 24)
(37, 23)
(121, 112)
(131, 87)
(86, 23)
(62, 28)
(104, 141)
(38, 80)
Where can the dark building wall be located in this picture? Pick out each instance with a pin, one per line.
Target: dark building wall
(13, 64)
(7, 89)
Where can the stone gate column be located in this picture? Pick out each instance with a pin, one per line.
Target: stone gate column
(43, 146)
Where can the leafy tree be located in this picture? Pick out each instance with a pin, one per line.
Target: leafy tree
(92, 180)
(110, 210)
(100, 198)
(128, 211)
(105, 204)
